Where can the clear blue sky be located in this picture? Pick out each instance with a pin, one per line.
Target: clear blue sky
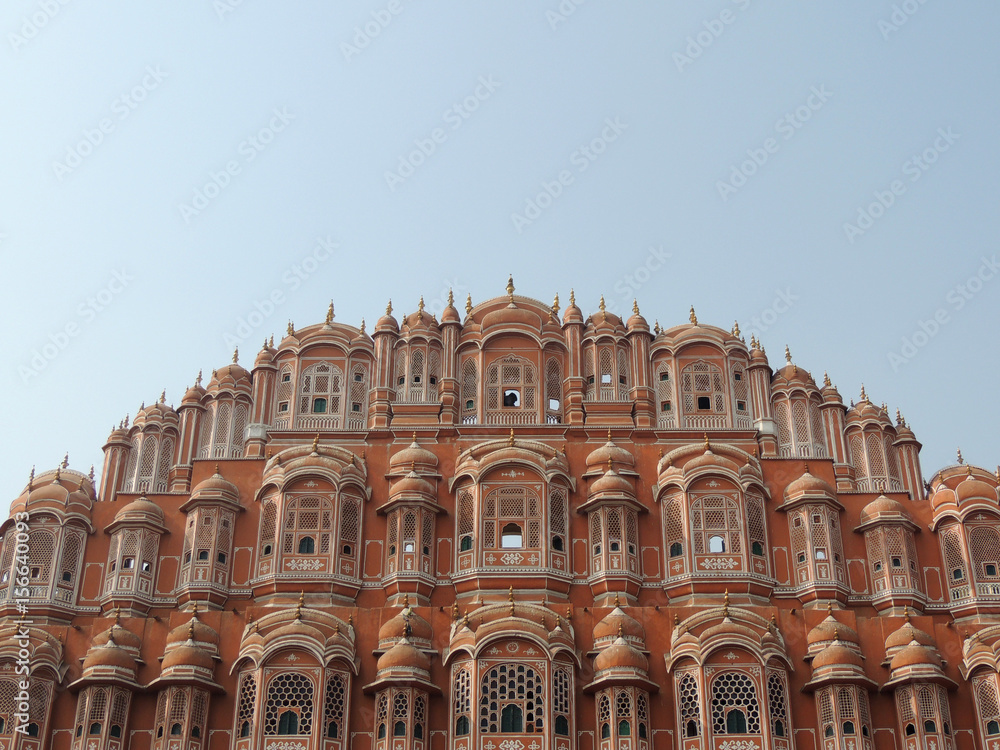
(165, 166)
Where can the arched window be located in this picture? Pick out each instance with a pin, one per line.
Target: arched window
(381, 731)
(399, 729)
(511, 699)
(993, 727)
(175, 729)
(676, 549)
(716, 526)
(704, 395)
(735, 707)
(512, 519)
(288, 723)
(736, 722)
(308, 526)
(462, 726)
(624, 728)
(562, 726)
(307, 545)
(605, 731)
(321, 390)
(511, 391)
(512, 537)
(470, 391)
(32, 730)
(245, 729)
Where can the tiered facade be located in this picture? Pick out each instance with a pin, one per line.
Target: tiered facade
(511, 530)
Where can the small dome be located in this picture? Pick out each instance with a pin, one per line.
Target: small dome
(512, 315)
(915, 655)
(612, 483)
(215, 485)
(120, 635)
(711, 460)
(450, 314)
(573, 313)
(884, 507)
(231, 377)
(194, 394)
(598, 458)
(621, 655)
(908, 634)
(944, 496)
(411, 485)
(791, 375)
(396, 627)
(618, 622)
(413, 457)
(265, 357)
(109, 655)
(636, 322)
(837, 655)
(404, 656)
(187, 655)
(202, 633)
(974, 488)
(140, 509)
(808, 484)
(831, 630)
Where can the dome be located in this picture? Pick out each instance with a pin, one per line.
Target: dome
(387, 323)
(915, 655)
(620, 655)
(808, 484)
(599, 457)
(636, 322)
(944, 496)
(413, 457)
(512, 315)
(231, 377)
(908, 634)
(404, 656)
(194, 394)
(450, 314)
(202, 633)
(215, 485)
(410, 485)
(109, 655)
(187, 655)
(121, 636)
(396, 627)
(155, 413)
(618, 622)
(884, 507)
(140, 509)
(973, 488)
(710, 460)
(612, 484)
(836, 655)
(297, 630)
(792, 375)
(573, 313)
(420, 321)
(831, 630)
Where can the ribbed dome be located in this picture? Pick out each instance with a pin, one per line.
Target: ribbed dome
(194, 394)
(974, 488)
(884, 507)
(612, 483)
(187, 655)
(140, 509)
(215, 485)
(395, 627)
(711, 460)
(403, 655)
(907, 634)
(944, 496)
(790, 375)
(120, 635)
(837, 654)
(618, 622)
(415, 457)
(109, 655)
(599, 457)
(265, 357)
(915, 655)
(621, 655)
(831, 630)
(202, 633)
(809, 484)
(512, 315)
(411, 485)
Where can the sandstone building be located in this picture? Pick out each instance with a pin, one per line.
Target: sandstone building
(513, 529)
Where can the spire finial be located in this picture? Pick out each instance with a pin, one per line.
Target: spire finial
(510, 439)
(555, 306)
(656, 327)
(864, 396)
(298, 607)
(329, 313)
(118, 616)
(617, 602)
(736, 328)
(465, 619)
(216, 468)
(91, 474)
(191, 629)
(960, 459)
(270, 342)
(291, 328)
(58, 473)
(315, 445)
(635, 306)
(572, 297)
(163, 396)
(454, 611)
(899, 418)
(621, 631)
(708, 446)
(603, 308)
(725, 604)
(65, 461)
(468, 304)
(194, 610)
(611, 464)
(451, 298)
(31, 479)
(363, 332)
(788, 355)
(510, 594)
(510, 288)
(826, 380)
(420, 308)
(829, 608)
(609, 434)
(806, 467)
(692, 317)
(236, 355)
(906, 615)
(406, 601)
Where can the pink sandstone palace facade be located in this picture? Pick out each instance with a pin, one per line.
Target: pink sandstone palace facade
(520, 528)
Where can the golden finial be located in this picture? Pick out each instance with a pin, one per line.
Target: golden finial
(806, 467)
(708, 446)
(555, 306)
(216, 468)
(968, 469)
(611, 464)
(329, 313)
(510, 288)
(864, 396)
(191, 629)
(510, 594)
(194, 611)
(58, 473)
(736, 328)
(677, 619)
(91, 474)
(906, 615)
(826, 380)
(406, 601)
(960, 459)
(350, 619)
(420, 308)
(997, 474)
(544, 623)
(692, 317)
(572, 297)
(65, 461)
(263, 346)
(635, 306)
(270, 342)
(788, 355)
(661, 453)
(829, 608)
(468, 304)
(616, 599)
(315, 445)
(336, 629)
(465, 619)
(510, 439)
(771, 626)
(603, 309)
(298, 607)
(451, 298)
(236, 355)
(197, 380)
(725, 604)
(163, 396)
(118, 616)
(291, 328)
(454, 611)
(569, 612)
(31, 479)
(363, 332)
(621, 631)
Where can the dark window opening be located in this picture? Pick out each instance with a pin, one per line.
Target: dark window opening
(956, 574)
(175, 729)
(676, 549)
(848, 727)
(95, 728)
(704, 403)
(691, 730)
(741, 406)
(462, 726)
(828, 732)
(736, 722)
(67, 576)
(779, 728)
(910, 730)
(221, 558)
(991, 569)
(381, 731)
(557, 543)
(147, 566)
(511, 719)
(267, 549)
(605, 731)
(399, 729)
(665, 406)
(930, 726)
(307, 545)
(288, 723)
(664, 376)
(897, 562)
(418, 731)
(283, 407)
(624, 729)
(757, 548)
(465, 544)
(203, 554)
(511, 397)
(358, 377)
(347, 549)
(562, 726)
(319, 406)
